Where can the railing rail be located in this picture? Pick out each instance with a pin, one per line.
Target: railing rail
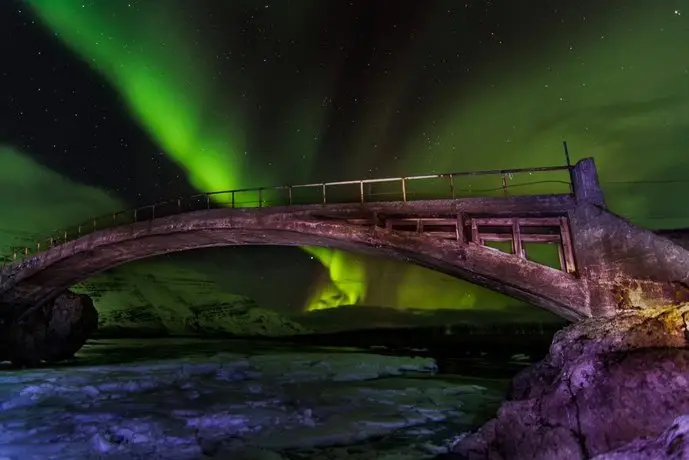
(445, 186)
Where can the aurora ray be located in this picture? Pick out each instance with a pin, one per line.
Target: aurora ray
(172, 93)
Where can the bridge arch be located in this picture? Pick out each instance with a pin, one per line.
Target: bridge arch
(45, 275)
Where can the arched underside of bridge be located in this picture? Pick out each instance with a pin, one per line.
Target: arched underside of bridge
(44, 276)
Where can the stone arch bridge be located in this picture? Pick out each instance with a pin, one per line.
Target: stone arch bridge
(606, 263)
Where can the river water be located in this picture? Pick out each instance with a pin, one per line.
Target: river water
(230, 399)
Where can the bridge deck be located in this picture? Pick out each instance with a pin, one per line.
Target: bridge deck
(442, 187)
(40, 278)
(621, 266)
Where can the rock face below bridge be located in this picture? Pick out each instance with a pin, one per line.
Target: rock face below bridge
(608, 387)
(672, 444)
(51, 333)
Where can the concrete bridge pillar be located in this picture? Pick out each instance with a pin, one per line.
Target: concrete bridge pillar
(622, 266)
(591, 261)
(585, 183)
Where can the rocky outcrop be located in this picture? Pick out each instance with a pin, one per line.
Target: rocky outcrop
(607, 384)
(672, 444)
(53, 332)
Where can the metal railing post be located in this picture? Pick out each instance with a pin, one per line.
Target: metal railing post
(153, 212)
(504, 184)
(233, 203)
(569, 166)
(136, 215)
(289, 194)
(404, 189)
(79, 230)
(361, 191)
(208, 201)
(260, 197)
(323, 193)
(179, 205)
(452, 186)
(571, 180)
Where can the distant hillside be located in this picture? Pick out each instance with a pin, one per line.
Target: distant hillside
(157, 299)
(355, 317)
(160, 298)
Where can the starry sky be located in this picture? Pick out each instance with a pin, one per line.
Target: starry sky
(106, 105)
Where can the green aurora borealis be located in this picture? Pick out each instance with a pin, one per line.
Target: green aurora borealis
(616, 86)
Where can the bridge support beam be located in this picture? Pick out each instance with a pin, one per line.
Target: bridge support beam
(622, 266)
(585, 183)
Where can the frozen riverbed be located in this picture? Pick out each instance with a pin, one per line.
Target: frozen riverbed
(263, 405)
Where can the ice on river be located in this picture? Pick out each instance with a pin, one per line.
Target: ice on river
(268, 406)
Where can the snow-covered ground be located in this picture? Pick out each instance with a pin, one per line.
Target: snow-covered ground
(261, 405)
(156, 298)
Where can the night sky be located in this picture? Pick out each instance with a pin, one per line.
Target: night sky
(109, 104)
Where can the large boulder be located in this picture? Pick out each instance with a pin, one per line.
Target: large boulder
(606, 383)
(672, 444)
(53, 332)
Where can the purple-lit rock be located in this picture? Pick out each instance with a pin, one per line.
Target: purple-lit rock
(53, 332)
(606, 382)
(672, 444)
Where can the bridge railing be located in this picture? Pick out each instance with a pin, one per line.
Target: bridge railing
(502, 182)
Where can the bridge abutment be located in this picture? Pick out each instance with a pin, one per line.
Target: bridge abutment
(622, 266)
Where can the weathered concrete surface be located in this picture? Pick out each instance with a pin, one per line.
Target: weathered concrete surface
(606, 383)
(53, 332)
(622, 265)
(625, 266)
(44, 276)
(679, 236)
